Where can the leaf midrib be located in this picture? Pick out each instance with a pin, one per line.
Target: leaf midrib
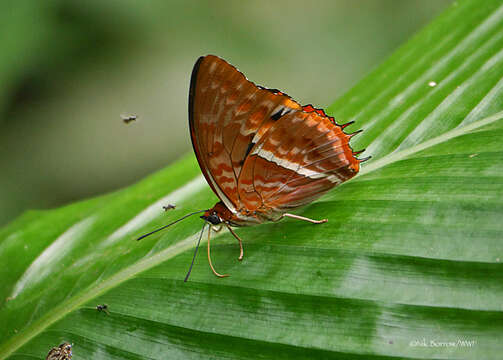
(402, 154)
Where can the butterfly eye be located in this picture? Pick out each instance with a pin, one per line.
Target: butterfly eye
(214, 219)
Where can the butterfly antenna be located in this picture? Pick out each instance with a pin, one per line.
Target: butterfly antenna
(195, 253)
(174, 222)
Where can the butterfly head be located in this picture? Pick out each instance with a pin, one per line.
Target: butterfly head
(217, 214)
(211, 217)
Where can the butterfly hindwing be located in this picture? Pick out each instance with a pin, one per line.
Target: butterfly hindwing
(303, 155)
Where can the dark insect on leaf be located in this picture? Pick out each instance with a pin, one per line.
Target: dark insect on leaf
(169, 207)
(128, 118)
(103, 308)
(62, 352)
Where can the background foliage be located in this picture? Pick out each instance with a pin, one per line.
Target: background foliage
(408, 266)
(68, 69)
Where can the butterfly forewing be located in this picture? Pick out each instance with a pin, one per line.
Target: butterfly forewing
(227, 115)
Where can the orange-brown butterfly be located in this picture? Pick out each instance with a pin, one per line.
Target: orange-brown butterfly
(261, 152)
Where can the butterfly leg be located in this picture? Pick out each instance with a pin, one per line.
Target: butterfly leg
(209, 257)
(304, 218)
(239, 240)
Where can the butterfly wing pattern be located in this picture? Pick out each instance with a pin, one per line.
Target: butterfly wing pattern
(303, 156)
(262, 153)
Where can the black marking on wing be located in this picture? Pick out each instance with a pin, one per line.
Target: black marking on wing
(250, 146)
(278, 114)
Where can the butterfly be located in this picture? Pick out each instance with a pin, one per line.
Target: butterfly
(62, 352)
(262, 153)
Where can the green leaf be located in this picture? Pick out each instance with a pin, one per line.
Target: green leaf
(408, 266)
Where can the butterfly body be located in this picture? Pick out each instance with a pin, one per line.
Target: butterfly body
(262, 153)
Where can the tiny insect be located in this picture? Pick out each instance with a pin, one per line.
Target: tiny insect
(261, 152)
(103, 308)
(169, 207)
(128, 118)
(62, 352)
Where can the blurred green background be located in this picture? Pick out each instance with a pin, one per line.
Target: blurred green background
(68, 69)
